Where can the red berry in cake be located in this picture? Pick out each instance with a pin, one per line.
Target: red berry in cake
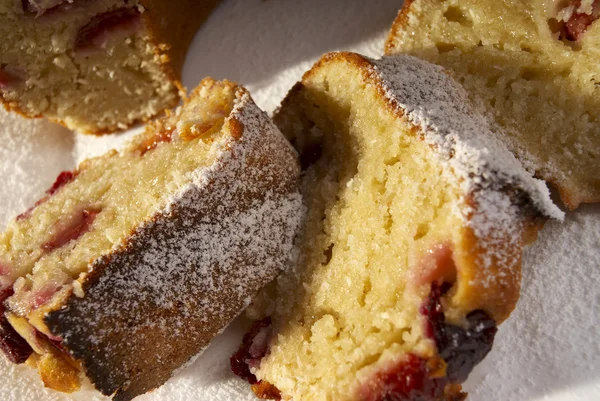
(254, 347)
(461, 348)
(578, 23)
(410, 379)
(12, 344)
(94, 35)
(310, 155)
(71, 228)
(8, 79)
(63, 178)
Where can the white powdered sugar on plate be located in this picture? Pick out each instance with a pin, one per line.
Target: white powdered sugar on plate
(548, 350)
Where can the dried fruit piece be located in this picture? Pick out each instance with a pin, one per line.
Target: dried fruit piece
(123, 21)
(70, 228)
(12, 344)
(152, 141)
(57, 373)
(461, 348)
(266, 391)
(579, 21)
(410, 379)
(8, 80)
(254, 347)
(63, 178)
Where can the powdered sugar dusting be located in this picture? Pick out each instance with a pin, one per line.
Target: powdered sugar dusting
(432, 100)
(185, 275)
(486, 170)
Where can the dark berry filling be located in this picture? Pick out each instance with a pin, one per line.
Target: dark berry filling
(63, 178)
(310, 155)
(12, 344)
(266, 391)
(254, 347)
(96, 32)
(461, 348)
(8, 80)
(413, 379)
(70, 229)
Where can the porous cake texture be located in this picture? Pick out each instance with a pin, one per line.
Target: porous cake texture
(531, 67)
(132, 263)
(95, 66)
(411, 254)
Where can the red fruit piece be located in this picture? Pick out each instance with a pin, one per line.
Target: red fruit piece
(70, 228)
(12, 344)
(254, 347)
(63, 178)
(123, 21)
(461, 348)
(310, 155)
(8, 80)
(152, 142)
(579, 22)
(409, 380)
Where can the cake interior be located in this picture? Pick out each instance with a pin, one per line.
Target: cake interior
(47, 248)
(80, 56)
(381, 212)
(534, 82)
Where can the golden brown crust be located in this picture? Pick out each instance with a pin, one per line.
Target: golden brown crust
(400, 21)
(173, 32)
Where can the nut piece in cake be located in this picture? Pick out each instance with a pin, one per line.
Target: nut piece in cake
(128, 266)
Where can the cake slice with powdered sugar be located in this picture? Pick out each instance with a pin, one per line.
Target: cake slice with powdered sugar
(411, 254)
(130, 265)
